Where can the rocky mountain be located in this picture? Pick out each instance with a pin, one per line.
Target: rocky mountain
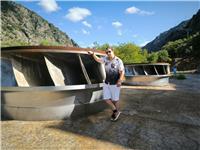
(21, 26)
(180, 31)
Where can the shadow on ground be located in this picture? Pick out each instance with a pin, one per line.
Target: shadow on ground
(150, 120)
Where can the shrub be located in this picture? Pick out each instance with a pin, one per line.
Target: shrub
(180, 77)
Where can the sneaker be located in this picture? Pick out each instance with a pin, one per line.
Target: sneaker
(116, 116)
(113, 115)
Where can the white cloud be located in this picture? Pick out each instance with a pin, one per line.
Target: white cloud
(117, 24)
(135, 10)
(85, 32)
(49, 5)
(144, 43)
(86, 24)
(147, 13)
(76, 14)
(132, 10)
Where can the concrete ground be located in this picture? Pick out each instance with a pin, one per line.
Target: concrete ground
(153, 118)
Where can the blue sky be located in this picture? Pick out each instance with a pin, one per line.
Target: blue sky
(113, 22)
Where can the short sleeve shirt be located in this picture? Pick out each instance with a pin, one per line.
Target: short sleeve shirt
(112, 68)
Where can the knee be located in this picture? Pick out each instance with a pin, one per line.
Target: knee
(114, 102)
(108, 101)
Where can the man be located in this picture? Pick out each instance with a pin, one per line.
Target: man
(114, 69)
(174, 70)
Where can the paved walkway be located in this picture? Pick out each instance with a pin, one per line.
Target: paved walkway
(153, 118)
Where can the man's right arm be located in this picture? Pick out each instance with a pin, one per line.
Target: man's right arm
(95, 57)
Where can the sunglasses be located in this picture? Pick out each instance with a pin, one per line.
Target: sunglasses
(108, 52)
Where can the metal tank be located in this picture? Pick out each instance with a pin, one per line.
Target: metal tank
(154, 74)
(50, 82)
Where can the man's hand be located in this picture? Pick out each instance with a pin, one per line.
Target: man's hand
(95, 56)
(119, 83)
(90, 52)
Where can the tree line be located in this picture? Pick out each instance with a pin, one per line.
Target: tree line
(131, 53)
(188, 47)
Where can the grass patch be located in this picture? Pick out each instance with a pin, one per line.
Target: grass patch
(180, 77)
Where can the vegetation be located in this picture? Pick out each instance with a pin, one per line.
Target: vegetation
(184, 48)
(160, 56)
(13, 43)
(131, 53)
(100, 47)
(153, 57)
(46, 42)
(185, 52)
(180, 77)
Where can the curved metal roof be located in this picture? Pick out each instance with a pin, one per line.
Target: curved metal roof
(52, 49)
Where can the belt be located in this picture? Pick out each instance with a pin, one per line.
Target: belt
(111, 83)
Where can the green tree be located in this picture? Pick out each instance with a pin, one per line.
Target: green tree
(196, 46)
(163, 56)
(100, 47)
(152, 57)
(186, 47)
(130, 53)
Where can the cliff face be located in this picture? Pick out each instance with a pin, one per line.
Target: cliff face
(21, 26)
(180, 31)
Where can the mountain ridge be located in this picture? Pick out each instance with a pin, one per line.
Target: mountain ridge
(182, 30)
(21, 26)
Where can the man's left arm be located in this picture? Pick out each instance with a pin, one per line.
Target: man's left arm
(119, 82)
(121, 74)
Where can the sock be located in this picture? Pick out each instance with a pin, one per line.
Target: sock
(115, 110)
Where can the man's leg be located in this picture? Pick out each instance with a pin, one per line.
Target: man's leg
(116, 113)
(115, 90)
(114, 109)
(111, 104)
(116, 103)
(107, 94)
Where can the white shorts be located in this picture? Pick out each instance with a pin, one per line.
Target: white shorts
(111, 92)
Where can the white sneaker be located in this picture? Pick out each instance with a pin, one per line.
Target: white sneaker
(116, 116)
